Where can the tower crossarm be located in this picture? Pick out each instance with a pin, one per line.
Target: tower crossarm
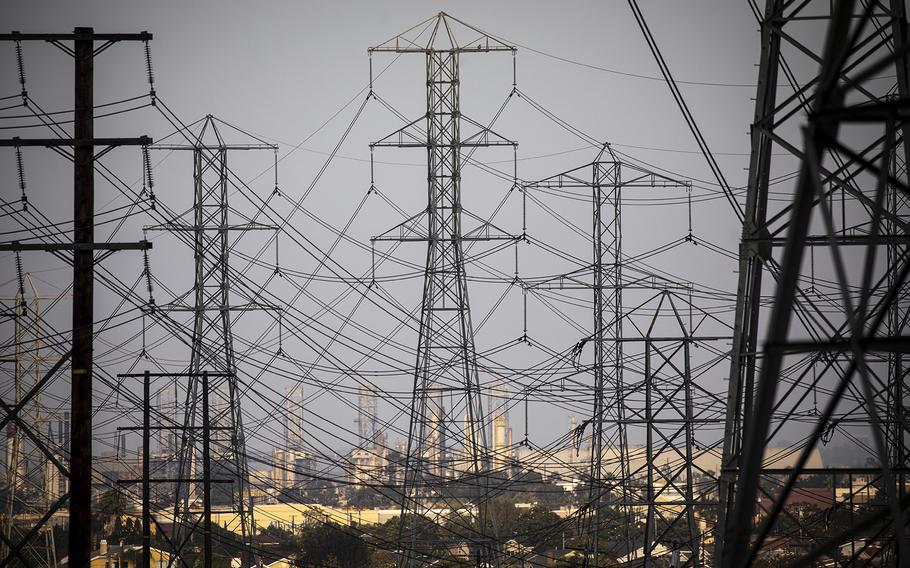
(630, 176)
(413, 135)
(442, 33)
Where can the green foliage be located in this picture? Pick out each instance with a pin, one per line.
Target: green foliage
(376, 546)
(128, 531)
(539, 528)
(529, 487)
(275, 533)
(429, 539)
(332, 545)
(818, 480)
(111, 502)
(107, 510)
(367, 498)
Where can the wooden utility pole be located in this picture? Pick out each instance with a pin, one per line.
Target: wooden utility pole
(83, 247)
(146, 480)
(80, 541)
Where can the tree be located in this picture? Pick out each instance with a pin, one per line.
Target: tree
(505, 515)
(128, 531)
(317, 491)
(111, 505)
(430, 540)
(328, 544)
(529, 487)
(781, 560)
(539, 528)
(367, 498)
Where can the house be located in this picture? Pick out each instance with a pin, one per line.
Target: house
(122, 556)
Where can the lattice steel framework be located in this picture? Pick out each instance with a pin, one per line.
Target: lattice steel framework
(211, 301)
(671, 355)
(26, 494)
(446, 359)
(610, 468)
(832, 368)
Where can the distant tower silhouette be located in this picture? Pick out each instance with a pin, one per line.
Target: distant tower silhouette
(294, 425)
(367, 420)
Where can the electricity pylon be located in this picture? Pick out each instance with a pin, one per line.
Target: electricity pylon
(446, 358)
(28, 334)
(606, 178)
(212, 301)
(832, 367)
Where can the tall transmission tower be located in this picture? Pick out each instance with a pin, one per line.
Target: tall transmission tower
(671, 405)
(832, 368)
(212, 301)
(606, 178)
(22, 496)
(446, 359)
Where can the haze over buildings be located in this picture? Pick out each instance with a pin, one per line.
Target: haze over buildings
(380, 284)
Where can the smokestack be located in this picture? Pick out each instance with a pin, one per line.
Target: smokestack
(367, 420)
(293, 417)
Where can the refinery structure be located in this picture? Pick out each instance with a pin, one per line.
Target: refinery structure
(407, 341)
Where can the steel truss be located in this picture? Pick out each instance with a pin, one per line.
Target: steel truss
(24, 495)
(832, 368)
(446, 358)
(672, 350)
(617, 470)
(211, 302)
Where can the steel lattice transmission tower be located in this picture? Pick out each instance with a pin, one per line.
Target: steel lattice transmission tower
(20, 450)
(212, 301)
(446, 359)
(611, 482)
(832, 369)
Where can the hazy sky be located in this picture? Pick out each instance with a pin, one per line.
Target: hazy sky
(282, 69)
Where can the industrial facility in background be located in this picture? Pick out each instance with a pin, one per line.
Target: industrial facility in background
(707, 427)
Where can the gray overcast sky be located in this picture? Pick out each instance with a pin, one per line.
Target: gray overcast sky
(281, 69)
